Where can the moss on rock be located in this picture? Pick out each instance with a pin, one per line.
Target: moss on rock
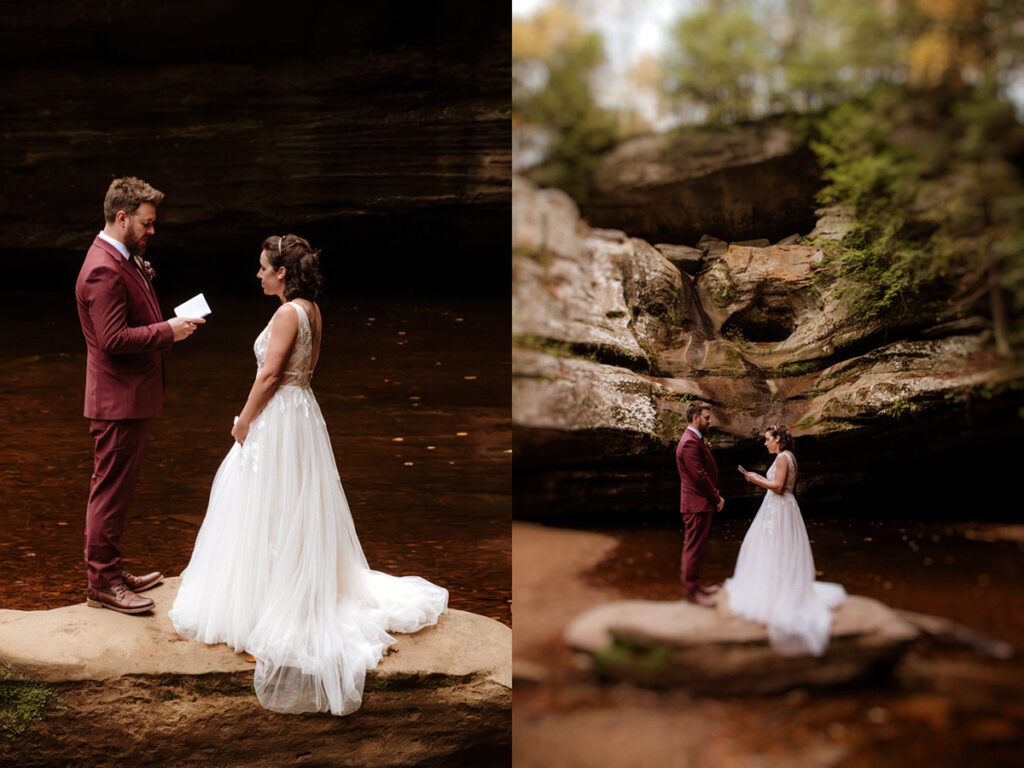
(23, 702)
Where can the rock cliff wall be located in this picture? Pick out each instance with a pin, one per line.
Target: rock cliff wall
(613, 335)
(382, 133)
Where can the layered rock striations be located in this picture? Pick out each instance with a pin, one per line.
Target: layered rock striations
(612, 336)
(362, 129)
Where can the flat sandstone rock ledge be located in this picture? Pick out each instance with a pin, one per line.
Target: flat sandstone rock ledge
(120, 690)
(81, 643)
(711, 651)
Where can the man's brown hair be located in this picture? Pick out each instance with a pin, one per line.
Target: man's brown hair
(127, 194)
(695, 407)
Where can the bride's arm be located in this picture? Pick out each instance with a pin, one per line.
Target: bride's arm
(279, 349)
(781, 471)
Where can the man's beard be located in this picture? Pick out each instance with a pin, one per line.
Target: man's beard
(135, 247)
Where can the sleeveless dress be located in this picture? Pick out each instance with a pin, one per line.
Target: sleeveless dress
(277, 569)
(773, 583)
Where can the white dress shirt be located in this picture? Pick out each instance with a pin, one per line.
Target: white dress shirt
(117, 244)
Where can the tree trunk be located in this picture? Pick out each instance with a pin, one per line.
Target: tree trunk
(1000, 313)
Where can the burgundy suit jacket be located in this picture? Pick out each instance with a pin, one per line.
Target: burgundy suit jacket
(698, 476)
(125, 336)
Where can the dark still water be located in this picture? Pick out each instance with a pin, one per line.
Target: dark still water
(417, 401)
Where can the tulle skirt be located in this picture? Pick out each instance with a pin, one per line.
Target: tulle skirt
(277, 569)
(773, 583)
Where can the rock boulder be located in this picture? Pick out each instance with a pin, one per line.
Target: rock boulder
(126, 690)
(678, 644)
(751, 181)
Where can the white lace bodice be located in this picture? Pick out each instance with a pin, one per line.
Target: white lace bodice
(299, 369)
(790, 476)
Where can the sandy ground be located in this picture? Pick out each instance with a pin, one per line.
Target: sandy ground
(945, 707)
(548, 591)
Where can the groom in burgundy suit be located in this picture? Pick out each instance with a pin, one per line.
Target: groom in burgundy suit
(698, 498)
(125, 337)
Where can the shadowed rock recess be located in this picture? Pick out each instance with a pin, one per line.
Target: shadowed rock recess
(744, 181)
(91, 687)
(613, 335)
(381, 132)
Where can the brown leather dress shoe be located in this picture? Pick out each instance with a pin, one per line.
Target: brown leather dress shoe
(701, 599)
(141, 583)
(117, 597)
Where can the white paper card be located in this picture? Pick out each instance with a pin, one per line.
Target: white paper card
(194, 307)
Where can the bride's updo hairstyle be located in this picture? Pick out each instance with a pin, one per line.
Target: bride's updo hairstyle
(302, 278)
(785, 438)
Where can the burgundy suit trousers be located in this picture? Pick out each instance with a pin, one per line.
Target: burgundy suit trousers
(695, 536)
(120, 445)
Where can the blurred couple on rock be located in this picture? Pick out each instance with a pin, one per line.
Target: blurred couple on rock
(773, 582)
(277, 569)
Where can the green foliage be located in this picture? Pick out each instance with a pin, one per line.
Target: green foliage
(603, 354)
(625, 658)
(932, 176)
(902, 408)
(565, 108)
(717, 60)
(805, 424)
(22, 702)
(737, 60)
(989, 122)
(932, 194)
(798, 368)
(836, 49)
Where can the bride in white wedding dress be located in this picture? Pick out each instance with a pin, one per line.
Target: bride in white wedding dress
(773, 583)
(277, 569)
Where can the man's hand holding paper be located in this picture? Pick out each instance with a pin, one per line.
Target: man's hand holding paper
(188, 315)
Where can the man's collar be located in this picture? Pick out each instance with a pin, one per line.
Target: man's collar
(117, 244)
(694, 429)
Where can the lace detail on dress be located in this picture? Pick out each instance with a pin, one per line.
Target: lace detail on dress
(298, 371)
(791, 475)
(297, 374)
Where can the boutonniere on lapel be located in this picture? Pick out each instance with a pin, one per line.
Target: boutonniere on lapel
(706, 442)
(147, 268)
